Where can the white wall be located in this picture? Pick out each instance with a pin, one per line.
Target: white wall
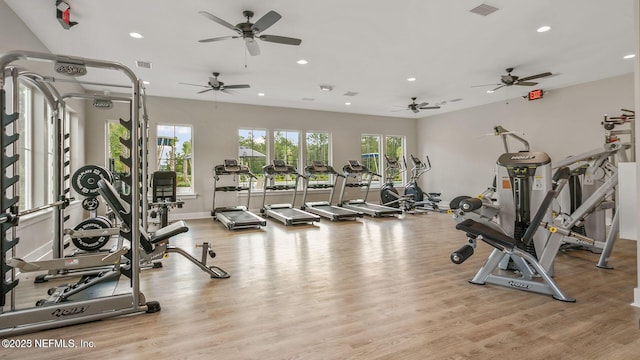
(565, 122)
(36, 231)
(215, 128)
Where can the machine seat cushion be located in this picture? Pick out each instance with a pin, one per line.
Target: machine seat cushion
(489, 235)
(166, 232)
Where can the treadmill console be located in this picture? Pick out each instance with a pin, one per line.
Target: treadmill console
(231, 165)
(318, 166)
(279, 164)
(355, 165)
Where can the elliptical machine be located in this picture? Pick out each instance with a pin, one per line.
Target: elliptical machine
(413, 198)
(389, 195)
(421, 200)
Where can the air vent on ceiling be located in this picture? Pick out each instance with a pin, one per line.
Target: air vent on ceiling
(350, 93)
(143, 64)
(484, 9)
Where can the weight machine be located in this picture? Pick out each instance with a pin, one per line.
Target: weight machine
(163, 195)
(82, 307)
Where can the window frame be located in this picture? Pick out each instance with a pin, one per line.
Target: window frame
(377, 181)
(180, 190)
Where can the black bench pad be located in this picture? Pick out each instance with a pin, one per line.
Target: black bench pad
(489, 235)
(166, 232)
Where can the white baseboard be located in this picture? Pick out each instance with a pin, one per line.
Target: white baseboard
(636, 297)
(189, 216)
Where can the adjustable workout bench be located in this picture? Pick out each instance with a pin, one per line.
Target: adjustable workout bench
(526, 264)
(157, 245)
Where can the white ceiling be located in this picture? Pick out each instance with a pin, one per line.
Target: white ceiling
(366, 46)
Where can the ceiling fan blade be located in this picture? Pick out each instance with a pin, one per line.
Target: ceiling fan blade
(218, 39)
(499, 87)
(280, 39)
(429, 107)
(266, 21)
(194, 84)
(220, 21)
(544, 74)
(485, 85)
(526, 83)
(241, 86)
(204, 91)
(422, 104)
(252, 46)
(415, 110)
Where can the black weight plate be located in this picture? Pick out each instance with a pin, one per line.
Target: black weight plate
(85, 179)
(95, 242)
(90, 203)
(105, 220)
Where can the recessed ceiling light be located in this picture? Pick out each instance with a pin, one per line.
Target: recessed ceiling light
(630, 56)
(490, 91)
(347, 103)
(544, 29)
(136, 35)
(326, 87)
(260, 94)
(411, 79)
(302, 62)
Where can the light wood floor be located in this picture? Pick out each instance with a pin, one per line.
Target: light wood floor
(370, 289)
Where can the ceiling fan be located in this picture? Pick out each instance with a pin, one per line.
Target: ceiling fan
(508, 79)
(217, 85)
(249, 31)
(417, 107)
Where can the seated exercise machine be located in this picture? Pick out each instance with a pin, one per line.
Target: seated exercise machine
(235, 217)
(163, 196)
(522, 180)
(286, 213)
(530, 275)
(581, 221)
(318, 169)
(363, 177)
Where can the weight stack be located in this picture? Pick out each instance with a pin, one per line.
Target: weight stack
(9, 199)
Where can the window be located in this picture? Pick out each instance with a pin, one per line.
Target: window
(317, 149)
(115, 149)
(174, 153)
(394, 149)
(25, 108)
(370, 155)
(37, 151)
(286, 145)
(252, 152)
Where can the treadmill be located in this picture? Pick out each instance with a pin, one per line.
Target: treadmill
(356, 170)
(286, 213)
(324, 208)
(235, 217)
